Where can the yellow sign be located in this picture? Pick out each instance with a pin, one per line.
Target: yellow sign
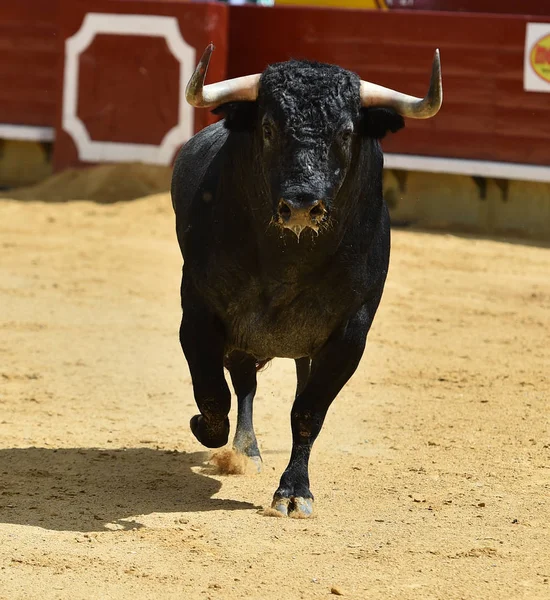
(376, 4)
(540, 58)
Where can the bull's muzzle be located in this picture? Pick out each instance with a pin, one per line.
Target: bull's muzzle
(300, 212)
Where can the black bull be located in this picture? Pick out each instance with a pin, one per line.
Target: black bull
(286, 240)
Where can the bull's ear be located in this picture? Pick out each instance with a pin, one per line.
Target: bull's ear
(239, 116)
(377, 122)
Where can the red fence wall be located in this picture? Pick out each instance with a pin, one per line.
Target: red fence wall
(127, 89)
(128, 85)
(29, 57)
(486, 114)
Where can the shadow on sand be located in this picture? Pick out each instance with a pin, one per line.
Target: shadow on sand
(84, 489)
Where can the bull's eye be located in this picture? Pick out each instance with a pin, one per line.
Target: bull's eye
(346, 134)
(267, 131)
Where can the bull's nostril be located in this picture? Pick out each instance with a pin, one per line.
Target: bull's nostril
(284, 211)
(317, 211)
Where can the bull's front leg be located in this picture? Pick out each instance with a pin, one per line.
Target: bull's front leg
(203, 342)
(242, 368)
(330, 370)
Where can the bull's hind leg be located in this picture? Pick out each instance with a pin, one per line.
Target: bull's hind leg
(202, 340)
(242, 368)
(330, 370)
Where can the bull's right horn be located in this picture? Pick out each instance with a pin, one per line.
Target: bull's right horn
(407, 106)
(231, 90)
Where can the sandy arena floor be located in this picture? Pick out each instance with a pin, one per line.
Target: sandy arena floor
(431, 475)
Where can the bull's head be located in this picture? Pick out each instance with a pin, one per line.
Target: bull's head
(307, 121)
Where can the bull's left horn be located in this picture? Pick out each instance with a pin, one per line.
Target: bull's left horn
(231, 90)
(407, 106)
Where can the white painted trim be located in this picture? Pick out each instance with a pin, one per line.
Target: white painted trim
(26, 132)
(147, 25)
(459, 166)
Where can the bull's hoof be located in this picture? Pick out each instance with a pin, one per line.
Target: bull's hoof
(257, 462)
(210, 436)
(245, 443)
(296, 507)
(252, 454)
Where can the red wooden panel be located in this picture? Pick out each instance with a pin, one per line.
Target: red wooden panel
(485, 114)
(29, 57)
(101, 87)
(129, 85)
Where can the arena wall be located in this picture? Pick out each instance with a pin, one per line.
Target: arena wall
(91, 81)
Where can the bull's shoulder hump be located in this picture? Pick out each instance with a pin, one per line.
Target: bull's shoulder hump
(193, 162)
(202, 147)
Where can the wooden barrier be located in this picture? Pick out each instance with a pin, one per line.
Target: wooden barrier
(107, 76)
(124, 70)
(29, 58)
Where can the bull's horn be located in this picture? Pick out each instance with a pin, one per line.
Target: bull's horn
(408, 106)
(231, 90)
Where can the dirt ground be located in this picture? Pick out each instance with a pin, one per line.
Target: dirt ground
(431, 475)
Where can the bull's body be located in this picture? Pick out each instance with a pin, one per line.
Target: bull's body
(286, 241)
(274, 295)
